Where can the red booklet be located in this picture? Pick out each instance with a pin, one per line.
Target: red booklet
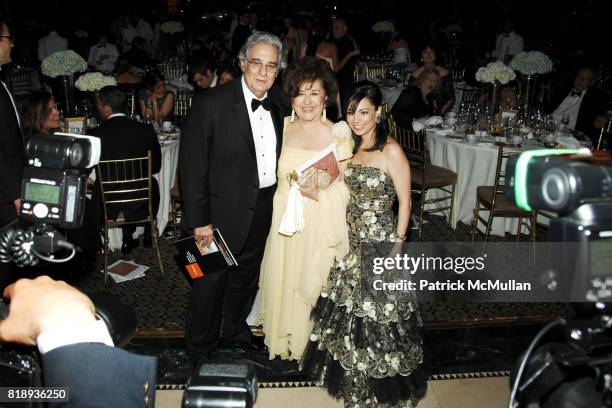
(326, 160)
(200, 260)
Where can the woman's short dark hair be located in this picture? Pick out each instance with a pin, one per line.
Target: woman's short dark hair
(35, 112)
(359, 91)
(308, 70)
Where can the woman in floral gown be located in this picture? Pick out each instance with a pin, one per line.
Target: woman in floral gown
(366, 348)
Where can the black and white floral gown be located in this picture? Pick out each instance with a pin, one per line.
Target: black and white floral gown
(364, 349)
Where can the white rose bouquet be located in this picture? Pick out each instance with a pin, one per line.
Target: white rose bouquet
(172, 27)
(531, 63)
(495, 71)
(63, 63)
(94, 81)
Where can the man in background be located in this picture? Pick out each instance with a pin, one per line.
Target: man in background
(124, 138)
(52, 42)
(103, 55)
(12, 153)
(508, 43)
(346, 46)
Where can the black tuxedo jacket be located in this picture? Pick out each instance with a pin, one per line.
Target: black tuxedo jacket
(123, 138)
(218, 168)
(12, 158)
(101, 376)
(410, 106)
(594, 103)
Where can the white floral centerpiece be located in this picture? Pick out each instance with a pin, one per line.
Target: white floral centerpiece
(94, 81)
(531, 63)
(172, 27)
(495, 71)
(63, 63)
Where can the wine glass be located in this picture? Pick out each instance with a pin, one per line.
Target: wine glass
(565, 120)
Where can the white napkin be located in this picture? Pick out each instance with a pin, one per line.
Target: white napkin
(567, 142)
(293, 218)
(422, 123)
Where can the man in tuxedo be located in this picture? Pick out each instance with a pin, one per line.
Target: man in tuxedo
(123, 138)
(346, 46)
(12, 152)
(77, 350)
(584, 105)
(230, 144)
(508, 43)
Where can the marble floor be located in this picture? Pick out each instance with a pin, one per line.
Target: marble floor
(461, 393)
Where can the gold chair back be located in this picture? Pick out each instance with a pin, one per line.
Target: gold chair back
(604, 135)
(122, 182)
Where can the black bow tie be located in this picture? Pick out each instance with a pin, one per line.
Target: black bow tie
(574, 93)
(264, 103)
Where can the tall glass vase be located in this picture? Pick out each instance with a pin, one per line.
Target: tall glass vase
(494, 96)
(64, 94)
(528, 91)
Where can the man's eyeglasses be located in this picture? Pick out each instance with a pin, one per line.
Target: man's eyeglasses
(257, 65)
(8, 37)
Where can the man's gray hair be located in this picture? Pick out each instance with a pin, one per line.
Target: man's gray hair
(261, 37)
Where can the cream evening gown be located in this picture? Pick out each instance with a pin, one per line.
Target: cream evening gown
(294, 269)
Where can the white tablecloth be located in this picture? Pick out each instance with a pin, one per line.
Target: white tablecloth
(165, 179)
(475, 165)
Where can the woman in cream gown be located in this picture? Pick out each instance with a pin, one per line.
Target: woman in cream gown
(296, 264)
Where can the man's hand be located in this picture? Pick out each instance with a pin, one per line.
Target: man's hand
(204, 234)
(43, 304)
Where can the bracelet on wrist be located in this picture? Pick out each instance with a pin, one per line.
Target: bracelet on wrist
(401, 237)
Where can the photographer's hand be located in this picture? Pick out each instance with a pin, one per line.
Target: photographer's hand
(43, 304)
(17, 204)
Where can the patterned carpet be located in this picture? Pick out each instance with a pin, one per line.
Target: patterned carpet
(461, 340)
(160, 300)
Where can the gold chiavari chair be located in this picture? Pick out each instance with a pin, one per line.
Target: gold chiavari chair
(124, 182)
(426, 176)
(605, 135)
(493, 199)
(376, 71)
(458, 75)
(386, 111)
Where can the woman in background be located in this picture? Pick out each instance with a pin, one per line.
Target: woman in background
(40, 114)
(444, 96)
(155, 101)
(416, 101)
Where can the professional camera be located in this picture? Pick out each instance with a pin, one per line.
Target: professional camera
(53, 191)
(576, 370)
(577, 185)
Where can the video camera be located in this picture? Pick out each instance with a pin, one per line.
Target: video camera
(53, 191)
(577, 185)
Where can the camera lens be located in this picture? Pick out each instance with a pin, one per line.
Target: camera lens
(76, 154)
(556, 188)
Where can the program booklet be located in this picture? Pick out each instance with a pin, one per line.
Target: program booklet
(326, 159)
(200, 260)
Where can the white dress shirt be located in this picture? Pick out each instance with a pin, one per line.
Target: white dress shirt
(264, 137)
(51, 43)
(509, 44)
(103, 57)
(571, 105)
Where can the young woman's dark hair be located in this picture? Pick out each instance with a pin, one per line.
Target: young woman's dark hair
(151, 78)
(35, 112)
(367, 89)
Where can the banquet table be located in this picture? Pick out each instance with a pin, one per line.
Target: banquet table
(165, 178)
(475, 165)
